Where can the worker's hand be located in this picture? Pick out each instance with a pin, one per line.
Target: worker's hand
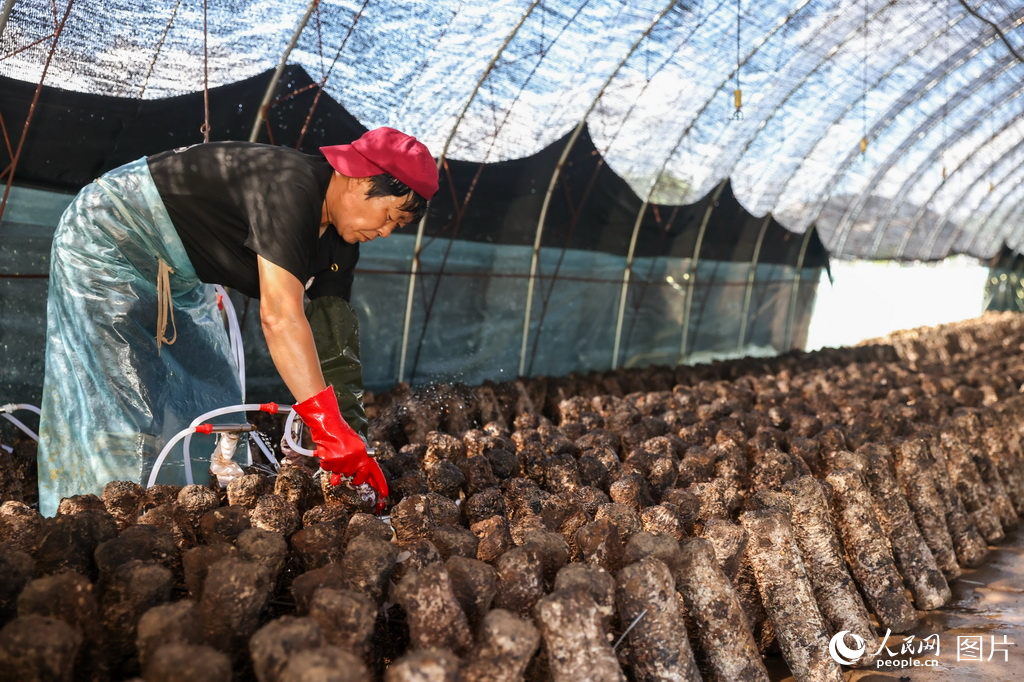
(340, 449)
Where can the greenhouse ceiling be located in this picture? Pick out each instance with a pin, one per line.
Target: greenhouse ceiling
(895, 127)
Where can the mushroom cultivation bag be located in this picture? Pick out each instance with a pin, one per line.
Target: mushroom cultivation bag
(113, 394)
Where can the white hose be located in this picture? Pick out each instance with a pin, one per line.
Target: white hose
(288, 437)
(234, 333)
(303, 451)
(12, 407)
(247, 407)
(187, 432)
(163, 455)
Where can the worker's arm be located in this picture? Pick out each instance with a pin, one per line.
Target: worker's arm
(287, 332)
(290, 340)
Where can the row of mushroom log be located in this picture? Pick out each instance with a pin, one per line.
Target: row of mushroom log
(652, 524)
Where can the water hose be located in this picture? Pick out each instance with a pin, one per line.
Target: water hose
(197, 426)
(234, 333)
(305, 451)
(5, 411)
(288, 437)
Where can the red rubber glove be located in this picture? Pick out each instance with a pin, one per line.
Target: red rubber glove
(339, 448)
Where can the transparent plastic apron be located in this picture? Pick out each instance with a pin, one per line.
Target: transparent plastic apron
(113, 396)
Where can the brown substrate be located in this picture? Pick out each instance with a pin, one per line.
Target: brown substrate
(662, 523)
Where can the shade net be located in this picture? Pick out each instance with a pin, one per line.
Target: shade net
(932, 87)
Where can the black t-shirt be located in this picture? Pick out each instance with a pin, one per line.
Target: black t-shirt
(230, 201)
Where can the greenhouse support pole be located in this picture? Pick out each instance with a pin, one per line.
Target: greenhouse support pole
(1011, 182)
(1004, 180)
(796, 288)
(691, 273)
(535, 258)
(57, 33)
(854, 210)
(5, 14)
(965, 190)
(748, 294)
(261, 113)
(420, 228)
(912, 181)
(893, 114)
(840, 170)
(947, 217)
(625, 283)
(628, 271)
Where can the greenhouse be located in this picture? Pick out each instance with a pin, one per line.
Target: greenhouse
(620, 425)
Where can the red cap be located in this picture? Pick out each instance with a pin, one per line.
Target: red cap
(386, 150)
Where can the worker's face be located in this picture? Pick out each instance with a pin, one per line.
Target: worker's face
(359, 218)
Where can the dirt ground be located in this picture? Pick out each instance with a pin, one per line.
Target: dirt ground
(987, 610)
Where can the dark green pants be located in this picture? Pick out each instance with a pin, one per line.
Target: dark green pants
(336, 331)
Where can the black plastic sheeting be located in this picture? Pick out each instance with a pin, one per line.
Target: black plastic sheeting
(75, 137)
(746, 293)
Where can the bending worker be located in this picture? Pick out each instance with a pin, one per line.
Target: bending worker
(135, 346)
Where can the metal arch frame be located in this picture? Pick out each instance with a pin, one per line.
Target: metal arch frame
(156, 54)
(627, 271)
(796, 88)
(261, 112)
(5, 14)
(932, 80)
(1015, 235)
(1015, 174)
(700, 235)
(535, 257)
(632, 248)
(1015, 216)
(631, 251)
(923, 209)
(933, 236)
(460, 209)
(748, 293)
(825, 194)
(626, 274)
(986, 200)
(668, 60)
(795, 291)
(58, 31)
(762, 122)
(691, 272)
(920, 171)
(924, 128)
(421, 226)
(995, 203)
(905, 187)
(729, 77)
(1009, 194)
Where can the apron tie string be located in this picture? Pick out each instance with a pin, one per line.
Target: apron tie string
(164, 305)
